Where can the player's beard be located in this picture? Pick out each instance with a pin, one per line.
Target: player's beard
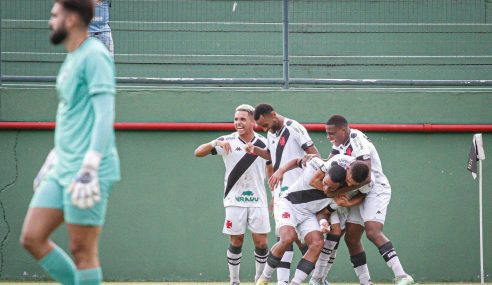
(57, 36)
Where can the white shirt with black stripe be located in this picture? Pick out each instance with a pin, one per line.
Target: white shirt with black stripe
(303, 196)
(360, 147)
(286, 144)
(245, 173)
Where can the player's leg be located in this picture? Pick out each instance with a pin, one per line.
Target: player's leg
(45, 214)
(327, 255)
(259, 225)
(236, 219)
(373, 211)
(309, 230)
(84, 228)
(353, 234)
(283, 269)
(287, 237)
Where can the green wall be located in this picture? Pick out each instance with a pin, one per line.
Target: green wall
(165, 217)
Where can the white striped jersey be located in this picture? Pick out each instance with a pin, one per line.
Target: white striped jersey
(361, 148)
(286, 144)
(303, 196)
(244, 182)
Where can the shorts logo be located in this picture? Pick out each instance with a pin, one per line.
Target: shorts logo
(282, 141)
(285, 215)
(228, 224)
(247, 196)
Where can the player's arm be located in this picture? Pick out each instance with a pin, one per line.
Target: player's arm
(261, 152)
(277, 177)
(219, 146)
(99, 75)
(343, 201)
(345, 188)
(317, 180)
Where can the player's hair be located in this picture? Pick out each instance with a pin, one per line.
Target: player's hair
(337, 120)
(84, 8)
(337, 173)
(263, 109)
(359, 171)
(246, 108)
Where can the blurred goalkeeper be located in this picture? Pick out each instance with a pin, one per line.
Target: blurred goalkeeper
(74, 183)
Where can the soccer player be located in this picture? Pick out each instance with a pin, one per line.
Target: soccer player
(287, 139)
(356, 170)
(371, 213)
(75, 189)
(245, 198)
(298, 207)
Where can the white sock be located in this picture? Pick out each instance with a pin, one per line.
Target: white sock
(303, 269)
(234, 255)
(261, 255)
(325, 259)
(360, 268)
(271, 263)
(283, 269)
(392, 260)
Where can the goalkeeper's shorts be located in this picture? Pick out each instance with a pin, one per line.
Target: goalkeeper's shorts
(51, 194)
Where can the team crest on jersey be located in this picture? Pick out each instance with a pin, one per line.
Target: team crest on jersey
(228, 224)
(348, 151)
(247, 196)
(285, 215)
(282, 141)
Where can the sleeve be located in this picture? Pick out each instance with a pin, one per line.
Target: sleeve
(100, 73)
(103, 123)
(361, 146)
(302, 136)
(218, 150)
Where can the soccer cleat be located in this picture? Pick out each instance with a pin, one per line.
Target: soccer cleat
(316, 281)
(234, 283)
(406, 280)
(262, 281)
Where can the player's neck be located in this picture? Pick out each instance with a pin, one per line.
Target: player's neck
(75, 39)
(247, 137)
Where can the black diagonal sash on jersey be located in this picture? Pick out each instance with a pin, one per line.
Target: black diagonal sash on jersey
(305, 196)
(241, 166)
(280, 148)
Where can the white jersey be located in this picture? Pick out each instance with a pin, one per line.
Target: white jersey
(286, 144)
(345, 160)
(303, 196)
(361, 148)
(244, 182)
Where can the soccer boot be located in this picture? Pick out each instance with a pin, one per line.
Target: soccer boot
(406, 280)
(262, 281)
(316, 281)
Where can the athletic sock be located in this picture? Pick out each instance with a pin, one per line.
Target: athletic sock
(360, 268)
(261, 255)
(325, 259)
(59, 266)
(303, 269)
(283, 269)
(392, 260)
(234, 261)
(92, 276)
(271, 263)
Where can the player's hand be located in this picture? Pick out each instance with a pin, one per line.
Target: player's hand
(84, 189)
(307, 158)
(249, 148)
(226, 146)
(276, 179)
(324, 226)
(342, 200)
(48, 164)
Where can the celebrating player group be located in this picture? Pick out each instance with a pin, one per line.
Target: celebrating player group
(345, 194)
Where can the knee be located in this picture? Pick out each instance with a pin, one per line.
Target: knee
(237, 241)
(349, 240)
(287, 239)
(317, 244)
(30, 241)
(373, 234)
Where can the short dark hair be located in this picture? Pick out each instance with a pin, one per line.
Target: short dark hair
(359, 171)
(263, 109)
(84, 8)
(337, 173)
(337, 120)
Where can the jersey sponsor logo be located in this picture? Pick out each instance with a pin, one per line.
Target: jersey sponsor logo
(247, 196)
(238, 148)
(285, 215)
(228, 224)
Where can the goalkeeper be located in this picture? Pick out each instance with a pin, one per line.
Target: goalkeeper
(74, 183)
